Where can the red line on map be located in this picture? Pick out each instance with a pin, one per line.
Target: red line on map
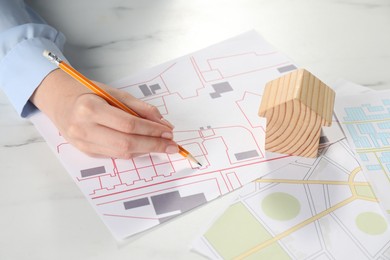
(187, 177)
(157, 191)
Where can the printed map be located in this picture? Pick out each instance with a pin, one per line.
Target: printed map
(212, 97)
(319, 208)
(365, 120)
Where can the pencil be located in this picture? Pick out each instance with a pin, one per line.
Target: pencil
(103, 94)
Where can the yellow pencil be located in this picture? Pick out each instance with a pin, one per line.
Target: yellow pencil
(103, 94)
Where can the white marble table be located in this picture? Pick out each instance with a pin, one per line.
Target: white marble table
(43, 215)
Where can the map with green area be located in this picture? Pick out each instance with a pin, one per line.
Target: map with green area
(320, 208)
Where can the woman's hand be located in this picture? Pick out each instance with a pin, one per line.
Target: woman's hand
(93, 126)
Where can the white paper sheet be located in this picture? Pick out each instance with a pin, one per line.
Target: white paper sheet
(212, 97)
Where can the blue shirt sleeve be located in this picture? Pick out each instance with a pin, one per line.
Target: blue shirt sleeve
(23, 38)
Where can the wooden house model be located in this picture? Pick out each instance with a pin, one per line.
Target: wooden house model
(296, 106)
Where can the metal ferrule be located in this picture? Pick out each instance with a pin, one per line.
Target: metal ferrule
(53, 58)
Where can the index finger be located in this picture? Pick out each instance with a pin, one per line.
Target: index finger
(142, 108)
(120, 120)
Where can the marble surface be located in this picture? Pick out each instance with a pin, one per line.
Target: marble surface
(43, 215)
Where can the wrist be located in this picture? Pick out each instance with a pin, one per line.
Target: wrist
(56, 91)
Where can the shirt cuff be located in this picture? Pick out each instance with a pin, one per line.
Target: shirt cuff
(23, 69)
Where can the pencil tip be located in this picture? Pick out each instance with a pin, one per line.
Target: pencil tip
(192, 158)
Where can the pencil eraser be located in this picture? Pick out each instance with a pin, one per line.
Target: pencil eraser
(46, 53)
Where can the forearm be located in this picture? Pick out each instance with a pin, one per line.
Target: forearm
(23, 37)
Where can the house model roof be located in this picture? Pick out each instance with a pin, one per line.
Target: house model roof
(296, 106)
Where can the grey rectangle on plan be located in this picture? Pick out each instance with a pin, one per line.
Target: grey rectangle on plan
(215, 95)
(136, 203)
(287, 68)
(93, 171)
(145, 90)
(173, 201)
(154, 88)
(222, 87)
(246, 155)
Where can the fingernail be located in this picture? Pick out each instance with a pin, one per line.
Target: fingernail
(172, 149)
(167, 123)
(167, 135)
